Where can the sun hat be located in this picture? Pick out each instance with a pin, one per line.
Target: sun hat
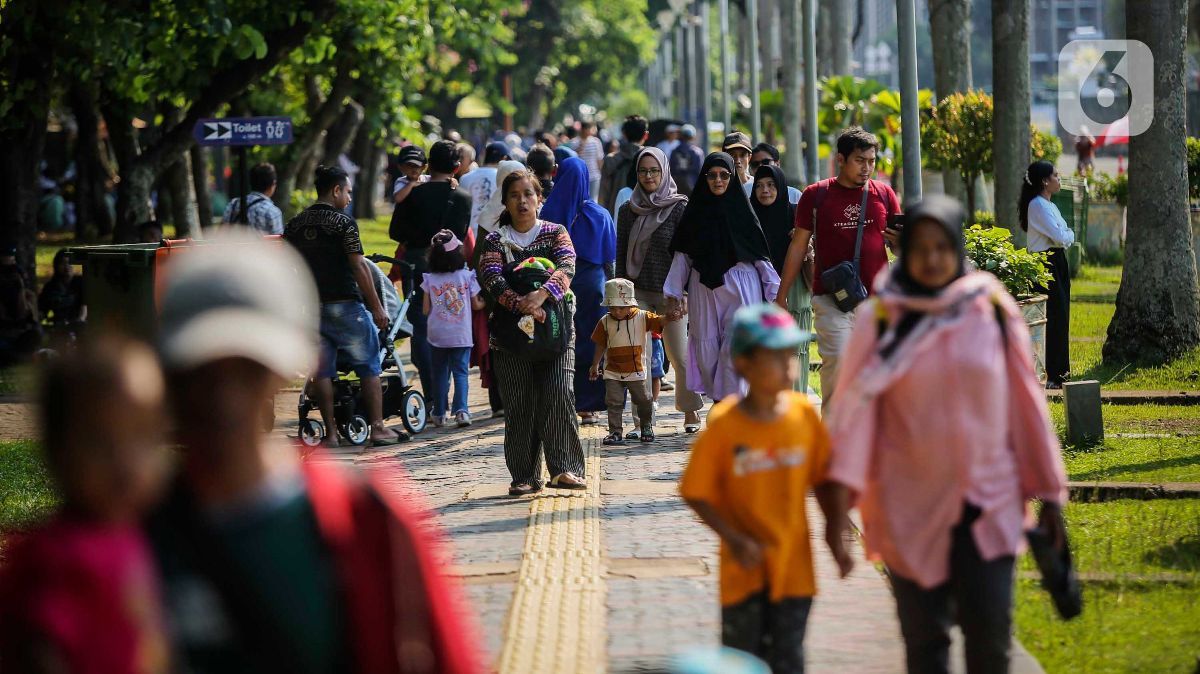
(236, 295)
(619, 292)
(764, 326)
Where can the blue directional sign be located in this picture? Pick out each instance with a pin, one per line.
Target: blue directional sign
(244, 131)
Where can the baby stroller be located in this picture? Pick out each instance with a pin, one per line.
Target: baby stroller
(399, 398)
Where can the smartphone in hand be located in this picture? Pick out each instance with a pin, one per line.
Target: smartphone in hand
(895, 221)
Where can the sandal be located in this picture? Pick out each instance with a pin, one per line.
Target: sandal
(394, 440)
(587, 419)
(633, 435)
(523, 489)
(567, 481)
(613, 439)
(648, 435)
(692, 426)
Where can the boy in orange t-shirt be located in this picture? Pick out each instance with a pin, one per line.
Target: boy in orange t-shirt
(748, 478)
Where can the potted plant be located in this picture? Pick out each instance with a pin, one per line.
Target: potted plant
(1106, 216)
(991, 249)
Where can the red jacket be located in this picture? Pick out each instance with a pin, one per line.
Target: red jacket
(405, 616)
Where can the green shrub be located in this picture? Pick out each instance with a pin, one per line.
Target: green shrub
(1104, 187)
(1193, 156)
(985, 219)
(1044, 145)
(992, 250)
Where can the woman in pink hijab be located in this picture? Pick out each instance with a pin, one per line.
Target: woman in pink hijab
(942, 436)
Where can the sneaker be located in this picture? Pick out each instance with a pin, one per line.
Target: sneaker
(462, 419)
(666, 386)
(437, 420)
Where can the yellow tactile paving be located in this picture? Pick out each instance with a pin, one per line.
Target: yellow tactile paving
(556, 622)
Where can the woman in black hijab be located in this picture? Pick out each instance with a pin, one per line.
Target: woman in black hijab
(769, 198)
(720, 263)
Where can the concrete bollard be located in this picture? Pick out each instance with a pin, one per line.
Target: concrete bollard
(1085, 417)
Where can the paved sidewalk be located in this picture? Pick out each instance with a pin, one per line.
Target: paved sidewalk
(618, 578)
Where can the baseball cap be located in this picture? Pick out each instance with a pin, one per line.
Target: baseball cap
(687, 131)
(412, 154)
(495, 152)
(764, 326)
(236, 295)
(737, 139)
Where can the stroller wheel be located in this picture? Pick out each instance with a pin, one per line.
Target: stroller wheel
(413, 412)
(358, 430)
(311, 432)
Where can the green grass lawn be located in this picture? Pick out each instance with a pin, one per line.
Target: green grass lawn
(1127, 625)
(1136, 460)
(25, 492)
(1093, 301)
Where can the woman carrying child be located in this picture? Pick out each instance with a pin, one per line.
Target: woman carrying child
(539, 396)
(451, 294)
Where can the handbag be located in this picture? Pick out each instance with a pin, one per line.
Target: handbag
(843, 280)
(1058, 573)
(522, 334)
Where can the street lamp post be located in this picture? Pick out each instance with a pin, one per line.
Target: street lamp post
(705, 74)
(755, 101)
(906, 24)
(726, 106)
(812, 158)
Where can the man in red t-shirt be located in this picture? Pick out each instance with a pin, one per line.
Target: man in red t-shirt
(829, 210)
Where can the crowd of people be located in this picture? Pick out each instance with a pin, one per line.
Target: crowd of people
(575, 280)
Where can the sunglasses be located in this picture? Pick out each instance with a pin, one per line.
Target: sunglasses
(718, 176)
(755, 164)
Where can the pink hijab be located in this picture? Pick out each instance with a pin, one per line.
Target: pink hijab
(651, 210)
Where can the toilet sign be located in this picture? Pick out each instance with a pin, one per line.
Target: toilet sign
(244, 131)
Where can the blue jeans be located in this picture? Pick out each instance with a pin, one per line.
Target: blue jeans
(446, 362)
(348, 336)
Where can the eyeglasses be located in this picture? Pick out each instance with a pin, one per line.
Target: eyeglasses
(718, 176)
(647, 173)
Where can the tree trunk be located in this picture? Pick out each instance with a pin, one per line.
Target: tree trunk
(177, 181)
(204, 213)
(824, 37)
(23, 131)
(767, 73)
(841, 27)
(950, 28)
(1010, 77)
(1158, 304)
(296, 170)
(341, 133)
(92, 217)
(366, 154)
(793, 158)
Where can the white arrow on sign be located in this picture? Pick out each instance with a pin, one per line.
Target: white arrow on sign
(218, 131)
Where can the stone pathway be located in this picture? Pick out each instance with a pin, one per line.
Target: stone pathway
(621, 577)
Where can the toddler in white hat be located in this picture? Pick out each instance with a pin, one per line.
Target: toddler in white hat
(621, 339)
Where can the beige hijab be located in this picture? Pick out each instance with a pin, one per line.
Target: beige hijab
(651, 210)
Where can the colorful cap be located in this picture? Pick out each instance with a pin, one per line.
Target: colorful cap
(765, 326)
(619, 293)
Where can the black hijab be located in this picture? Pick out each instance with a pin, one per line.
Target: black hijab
(949, 215)
(777, 219)
(718, 232)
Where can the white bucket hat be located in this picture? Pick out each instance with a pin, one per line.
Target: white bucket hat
(236, 295)
(619, 292)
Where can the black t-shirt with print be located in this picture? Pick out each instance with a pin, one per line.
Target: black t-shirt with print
(325, 236)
